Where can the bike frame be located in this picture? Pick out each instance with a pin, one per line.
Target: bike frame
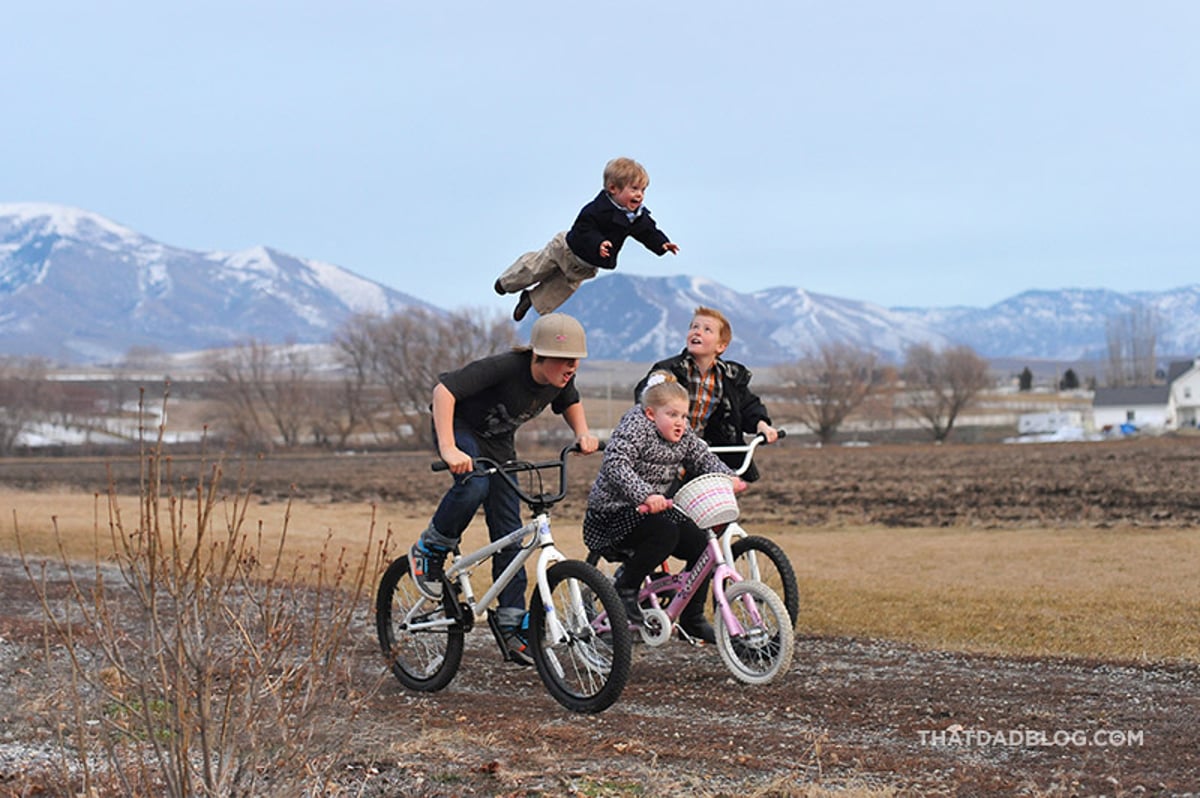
(684, 585)
(537, 532)
(734, 529)
(542, 541)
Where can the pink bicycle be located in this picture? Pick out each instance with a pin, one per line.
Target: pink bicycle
(754, 556)
(753, 627)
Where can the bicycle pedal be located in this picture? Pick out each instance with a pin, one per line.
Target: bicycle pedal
(694, 642)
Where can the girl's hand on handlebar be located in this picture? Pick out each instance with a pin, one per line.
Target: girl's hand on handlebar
(739, 484)
(457, 460)
(655, 503)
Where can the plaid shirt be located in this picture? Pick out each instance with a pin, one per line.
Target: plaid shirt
(704, 393)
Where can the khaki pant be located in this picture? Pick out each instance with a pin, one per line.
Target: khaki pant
(554, 272)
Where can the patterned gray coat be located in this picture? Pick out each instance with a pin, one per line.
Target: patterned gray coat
(638, 462)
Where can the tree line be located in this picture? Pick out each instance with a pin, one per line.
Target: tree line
(375, 390)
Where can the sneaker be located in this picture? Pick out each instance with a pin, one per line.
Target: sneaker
(693, 623)
(427, 569)
(524, 303)
(698, 630)
(516, 642)
(629, 598)
(499, 288)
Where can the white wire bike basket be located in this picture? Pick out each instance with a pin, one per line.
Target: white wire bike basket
(708, 500)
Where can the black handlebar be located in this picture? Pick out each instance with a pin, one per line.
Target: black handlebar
(485, 466)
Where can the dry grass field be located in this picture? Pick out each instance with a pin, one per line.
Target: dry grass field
(999, 587)
(1124, 593)
(1058, 549)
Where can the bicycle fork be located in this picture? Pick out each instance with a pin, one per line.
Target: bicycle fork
(721, 575)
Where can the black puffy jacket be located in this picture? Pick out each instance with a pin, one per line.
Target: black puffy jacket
(736, 415)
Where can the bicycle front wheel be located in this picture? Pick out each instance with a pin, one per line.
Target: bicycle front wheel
(587, 669)
(762, 560)
(765, 647)
(422, 648)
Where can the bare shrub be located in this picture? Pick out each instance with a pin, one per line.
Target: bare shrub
(203, 660)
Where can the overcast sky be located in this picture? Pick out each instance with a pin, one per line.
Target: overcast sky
(902, 153)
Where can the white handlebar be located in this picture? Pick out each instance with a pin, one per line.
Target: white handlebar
(746, 448)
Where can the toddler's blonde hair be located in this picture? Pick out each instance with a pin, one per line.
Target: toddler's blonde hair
(662, 387)
(622, 172)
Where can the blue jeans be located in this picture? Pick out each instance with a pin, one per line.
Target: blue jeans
(502, 510)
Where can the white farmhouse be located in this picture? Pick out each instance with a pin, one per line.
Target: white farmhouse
(1162, 407)
(1141, 407)
(1183, 378)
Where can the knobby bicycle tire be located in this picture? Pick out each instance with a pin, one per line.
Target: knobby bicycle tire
(587, 671)
(776, 573)
(424, 660)
(765, 650)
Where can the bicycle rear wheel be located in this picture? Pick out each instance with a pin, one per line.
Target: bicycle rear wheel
(762, 560)
(422, 650)
(765, 648)
(588, 669)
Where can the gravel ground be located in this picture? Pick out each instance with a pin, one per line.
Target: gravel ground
(863, 714)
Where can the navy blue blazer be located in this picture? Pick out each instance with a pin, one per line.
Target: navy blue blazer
(601, 220)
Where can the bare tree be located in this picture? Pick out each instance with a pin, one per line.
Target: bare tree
(392, 363)
(879, 406)
(355, 351)
(941, 384)
(1132, 338)
(267, 391)
(23, 393)
(830, 384)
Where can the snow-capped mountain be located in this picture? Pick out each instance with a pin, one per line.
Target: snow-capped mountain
(645, 318)
(77, 287)
(1068, 324)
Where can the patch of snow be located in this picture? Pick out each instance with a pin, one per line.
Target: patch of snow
(359, 294)
(1062, 435)
(253, 265)
(71, 222)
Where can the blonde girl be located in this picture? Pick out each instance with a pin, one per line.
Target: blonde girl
(629, 514)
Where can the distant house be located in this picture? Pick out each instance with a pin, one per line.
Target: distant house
(1170, 406)
(1140, 406)
(1183, 378)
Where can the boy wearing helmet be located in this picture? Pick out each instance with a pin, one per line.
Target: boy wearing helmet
(476, 412)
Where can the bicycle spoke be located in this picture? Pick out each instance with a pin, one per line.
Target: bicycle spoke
(585, 671)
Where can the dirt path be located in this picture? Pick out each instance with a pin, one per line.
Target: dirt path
(850, 712)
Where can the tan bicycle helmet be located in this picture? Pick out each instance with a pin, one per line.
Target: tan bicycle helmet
(558, 335)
